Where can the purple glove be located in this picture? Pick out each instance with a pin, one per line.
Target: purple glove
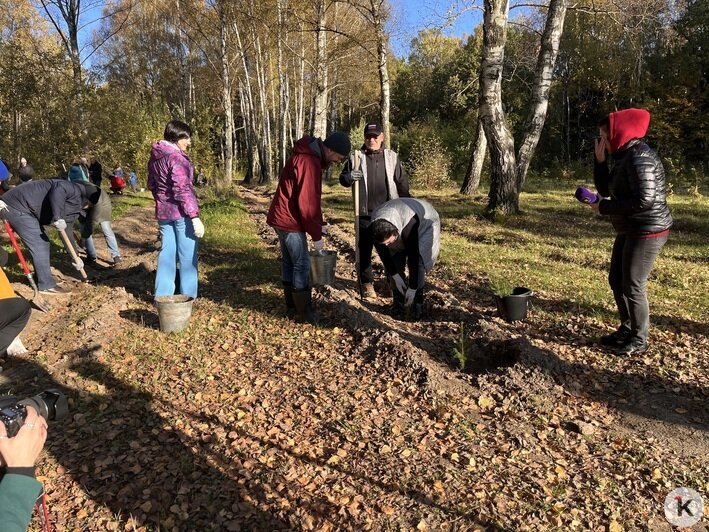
(586, 196)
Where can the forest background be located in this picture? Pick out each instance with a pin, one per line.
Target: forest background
(100, 79)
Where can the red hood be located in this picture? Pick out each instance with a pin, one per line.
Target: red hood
(627, 125)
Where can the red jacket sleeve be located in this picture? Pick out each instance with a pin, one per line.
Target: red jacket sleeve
(308, 177)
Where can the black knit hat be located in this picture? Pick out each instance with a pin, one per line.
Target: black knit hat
(339, 142)
(93, 193)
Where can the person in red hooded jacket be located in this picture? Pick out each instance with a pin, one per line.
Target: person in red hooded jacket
(295, 211)
(635, 199)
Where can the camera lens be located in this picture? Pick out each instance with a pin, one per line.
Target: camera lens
(51, 404)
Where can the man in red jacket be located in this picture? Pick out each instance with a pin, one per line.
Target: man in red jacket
(295, 211)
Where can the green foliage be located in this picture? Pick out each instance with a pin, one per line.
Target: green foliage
(427, 160)
(461, 350)
(501, 287)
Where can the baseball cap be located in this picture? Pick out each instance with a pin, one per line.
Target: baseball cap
(372, 129)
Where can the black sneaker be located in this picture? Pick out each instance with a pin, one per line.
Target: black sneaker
(616, 338)
(55, 291)
(117, 260)
(633, 346)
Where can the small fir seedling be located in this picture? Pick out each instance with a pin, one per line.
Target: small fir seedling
(501, 288)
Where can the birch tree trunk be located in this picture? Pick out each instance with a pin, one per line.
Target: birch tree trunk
(539, 101)
(320, 96)
(184, 54)
(248, 137)
(264, 145)
(70, 12)
(382, 69)
(471, 183)
(300, 99)
(503, 194)
(225, 182)
(283, 100)
(247, 109)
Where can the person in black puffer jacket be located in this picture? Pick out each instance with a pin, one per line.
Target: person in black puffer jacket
(635, 200)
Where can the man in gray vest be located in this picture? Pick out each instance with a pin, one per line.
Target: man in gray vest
(410, 231)
(380, 178)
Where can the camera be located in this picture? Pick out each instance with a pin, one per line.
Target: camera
(50, 404)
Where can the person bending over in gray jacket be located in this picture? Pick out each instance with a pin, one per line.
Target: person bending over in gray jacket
(410, 231)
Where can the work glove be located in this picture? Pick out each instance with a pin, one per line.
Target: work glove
(409, 297)
(325, 229)
(3, 209)
(79, 264)
(353, 176)
(318, 245)
(400, 284)
(198, 227)
(60, 225)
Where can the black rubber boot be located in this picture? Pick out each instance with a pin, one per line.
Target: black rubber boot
(397, 308)
(304, 306)
(418, 311)
(288, 298)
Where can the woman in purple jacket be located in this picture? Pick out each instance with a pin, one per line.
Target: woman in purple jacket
(170, 180)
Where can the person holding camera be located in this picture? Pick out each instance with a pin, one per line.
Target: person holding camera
(379, 177)
(19, 488)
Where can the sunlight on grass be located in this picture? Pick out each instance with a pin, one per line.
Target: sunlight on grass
(123, 203)
(559, 249)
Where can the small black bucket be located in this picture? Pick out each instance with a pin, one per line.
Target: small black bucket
(514, 307)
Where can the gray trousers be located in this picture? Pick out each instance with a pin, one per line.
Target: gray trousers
(37, 242)
(631, 262)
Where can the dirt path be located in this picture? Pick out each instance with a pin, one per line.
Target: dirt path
(430, 344)
(251, 422)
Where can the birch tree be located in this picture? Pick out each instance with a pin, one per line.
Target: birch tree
(320, 99)
(471, 181)
(508, 169)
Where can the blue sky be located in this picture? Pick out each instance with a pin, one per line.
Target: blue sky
(454, 17)
(411, 16)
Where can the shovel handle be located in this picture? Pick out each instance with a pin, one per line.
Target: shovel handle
(355, 200)
(16, 246)
(72, 251)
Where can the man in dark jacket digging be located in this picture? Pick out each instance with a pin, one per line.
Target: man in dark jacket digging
(295, 211)
(45, 202)
(410, 231)
(380, 178)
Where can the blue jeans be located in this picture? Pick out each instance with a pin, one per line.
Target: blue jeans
(179, 244)
(111, 242)
(37, 242)
(295, 263)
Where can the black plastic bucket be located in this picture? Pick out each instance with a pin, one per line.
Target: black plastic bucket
(514, 307)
